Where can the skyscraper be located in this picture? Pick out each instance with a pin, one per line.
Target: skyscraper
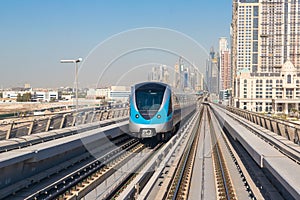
(265, 55)
(224, 64)
(160, 74)
(176, 76)
(212, 75)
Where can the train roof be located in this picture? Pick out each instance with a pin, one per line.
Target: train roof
(150, 82)
(175, 90)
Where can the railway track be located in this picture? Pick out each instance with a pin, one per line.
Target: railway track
(150, 167)
(224, 165)
(256, 146)
(77, 177)
(182, 179)
(168, 171)
(180, 186)
(225, 189)
(114, 194)
(106, 168)
(65, 176)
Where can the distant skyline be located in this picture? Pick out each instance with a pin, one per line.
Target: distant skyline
(35, 35)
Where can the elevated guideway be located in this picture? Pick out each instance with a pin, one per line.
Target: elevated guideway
(274, 154)
(30, 164)
(217, 145)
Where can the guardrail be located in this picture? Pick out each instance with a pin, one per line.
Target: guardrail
(17, 129)
(21, 168)
(289, 130)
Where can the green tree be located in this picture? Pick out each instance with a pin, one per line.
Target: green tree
(19, 98)
(53, 99)
(26, 97)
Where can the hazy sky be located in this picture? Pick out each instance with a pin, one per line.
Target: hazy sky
(36, 34)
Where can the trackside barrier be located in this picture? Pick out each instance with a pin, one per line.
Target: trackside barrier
(53, 122)
(289, 130)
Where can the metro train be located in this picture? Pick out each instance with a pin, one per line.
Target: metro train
(156, 110)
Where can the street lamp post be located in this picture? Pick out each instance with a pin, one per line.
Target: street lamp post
(76, 77)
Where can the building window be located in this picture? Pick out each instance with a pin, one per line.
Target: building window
(255, 10)
(258, 106)
(255, 22)
(289, 93)
(289, 78)
(268, 107)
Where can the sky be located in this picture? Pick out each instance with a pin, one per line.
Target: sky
(35, 35)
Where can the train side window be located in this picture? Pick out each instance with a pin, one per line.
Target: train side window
(170, 106)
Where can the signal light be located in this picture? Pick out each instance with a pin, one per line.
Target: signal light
(136, 116)
(158, 116)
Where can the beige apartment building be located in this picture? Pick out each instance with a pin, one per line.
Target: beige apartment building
(225, 64)
(266, 55)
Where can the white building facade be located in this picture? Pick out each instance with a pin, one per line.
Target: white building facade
(36, 95)
(112, 93)
(266, 55)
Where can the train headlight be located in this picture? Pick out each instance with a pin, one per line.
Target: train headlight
(158, 116)
(136, 116)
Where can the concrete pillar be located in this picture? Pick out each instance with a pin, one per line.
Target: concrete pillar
(93, 116)
(74, 119)
(264, 123)
(297, 136)
(261, 121)
(286, 132)
(85, 116)
(278, 129)
(110, 114)
(48, 124)
(297, 106)
(100, 115)
(257, 120)
(9, 130)
(271, 126)
(285, 108)
(31, 127)
(63, 121)
(267, 123)
(250, 117)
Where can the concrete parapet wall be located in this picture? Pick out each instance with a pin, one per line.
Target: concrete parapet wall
(53, 122)
(289, 130)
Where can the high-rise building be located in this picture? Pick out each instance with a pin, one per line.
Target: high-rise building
(186, 78)
(224, 64)
(265, 55)
(176, 76)
(212, 75)
(199, 82)
(160, 74)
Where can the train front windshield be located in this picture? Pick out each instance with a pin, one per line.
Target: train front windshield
(149, 98)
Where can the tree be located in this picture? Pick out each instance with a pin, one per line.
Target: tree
(19, 98)
(1, 95)
(53, 99)
(26, 97)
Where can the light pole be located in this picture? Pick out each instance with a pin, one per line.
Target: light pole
(76, 77)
